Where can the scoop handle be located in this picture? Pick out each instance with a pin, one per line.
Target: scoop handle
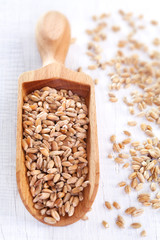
(53, 37)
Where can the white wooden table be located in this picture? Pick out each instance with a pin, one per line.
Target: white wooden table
(18, 53)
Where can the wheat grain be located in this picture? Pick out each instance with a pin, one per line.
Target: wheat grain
(129, 71)
(126, 165)
(127, 133)
(115, 28)
(108, 205)
(84, 218)
(110, 156)
(144, 197)
(122, 184)
(119, 160)
(156, 205)
(116, 205)
(136, 225)
(116, 147)
(132, 123)
(49, 220)
(126, 141)
(55, 127)
(137, 212)
(143, 233)
(113, 138)
(139, 186)
(120, 221)
(105, 224)
(113, 99)
(123, 155)
(153, 187)
(92, 67)
(130, 210)
(96, 81)
(127, 189)
(158, 195)
(132, 175)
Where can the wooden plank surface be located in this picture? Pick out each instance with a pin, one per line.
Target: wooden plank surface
(18, 54)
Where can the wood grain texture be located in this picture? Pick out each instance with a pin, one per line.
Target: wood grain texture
(53, 38)
(19, 53)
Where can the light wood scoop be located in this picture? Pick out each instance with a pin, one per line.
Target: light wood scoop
(53, 39)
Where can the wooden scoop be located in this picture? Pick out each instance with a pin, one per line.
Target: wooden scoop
(53, 39)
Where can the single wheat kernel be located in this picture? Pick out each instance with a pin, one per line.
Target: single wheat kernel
(153, 187)
(132, 175)
(137, 212)
(92, 67)
(116, 205)
(158, 195)
(139, 186)
(149, 133)
(113, 99)
(110, 94)
(105, 224)
(119, 160)
(79, 69)
(126, 165)
(108, 205)
(96, 81)
(130, 210)
(123, 155)
(127, 189)
(126, 141)
(115, 28)
(121, 184)
(132, 123)
(127, 133)
(143, 126)
(136, 225)
(154, 22)
(134, 183)
(113, 138)
(143, 233)
(84, 218)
